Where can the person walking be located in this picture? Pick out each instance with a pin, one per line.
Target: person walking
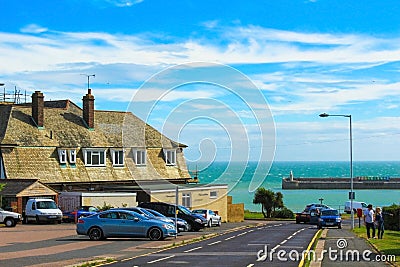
(369, 219)
(379, 222)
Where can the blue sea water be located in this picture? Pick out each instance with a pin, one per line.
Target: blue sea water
(243, 178)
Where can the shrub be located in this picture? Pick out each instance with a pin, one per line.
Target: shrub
(284, 213)
(391, 216)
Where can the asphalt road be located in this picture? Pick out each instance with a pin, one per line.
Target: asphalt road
(283, 242)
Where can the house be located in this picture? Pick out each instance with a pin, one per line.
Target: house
(73, 149)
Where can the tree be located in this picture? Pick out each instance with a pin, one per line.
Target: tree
(266, 198)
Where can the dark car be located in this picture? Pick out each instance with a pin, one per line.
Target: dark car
(123, 223)
(310, 213)
(195, 221)
(329, 218)
(83, 211)
(182, 225)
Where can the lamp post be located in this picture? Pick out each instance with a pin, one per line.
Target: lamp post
(351, 195)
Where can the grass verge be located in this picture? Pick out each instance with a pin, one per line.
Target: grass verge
(389, 245)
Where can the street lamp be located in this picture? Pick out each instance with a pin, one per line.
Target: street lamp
(351, 195)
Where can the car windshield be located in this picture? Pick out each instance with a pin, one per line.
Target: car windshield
(184, 210)
(330, 212)
(200, 211)
(147, 213)
(46, 205)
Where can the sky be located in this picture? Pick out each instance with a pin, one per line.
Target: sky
(233, 80)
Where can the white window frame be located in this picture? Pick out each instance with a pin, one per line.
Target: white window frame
(213, 194)
(62, 156)
(170, 157)
(141, 160)
(116, 153)
(187, 200)
(94, 152)
(72, 156)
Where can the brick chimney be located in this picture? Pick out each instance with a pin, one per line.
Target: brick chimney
(88, 109)
(37, 108)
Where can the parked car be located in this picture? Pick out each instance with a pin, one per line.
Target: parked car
(356, 205)
(42, 210)
(329, 218)
(10, 219)
(83, 211)
(123, 223)
(310, 212)
(182, 225)
(211, 217)
(147, 213)
(195, 221)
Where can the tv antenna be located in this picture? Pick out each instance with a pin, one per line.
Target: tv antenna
(88, 79)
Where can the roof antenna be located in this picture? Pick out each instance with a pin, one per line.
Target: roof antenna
(88, 79)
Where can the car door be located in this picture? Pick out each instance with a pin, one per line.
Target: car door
(131, 225)
(110, 222)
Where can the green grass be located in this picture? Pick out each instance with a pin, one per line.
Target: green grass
(253, 215)
(389, 245)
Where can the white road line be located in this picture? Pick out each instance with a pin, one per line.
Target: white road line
(283, 242)
(230, 237)
(242, 234)
(196, 248)
(290, 237)
(165, 258)
(213, 243)
(250, 265)
(277, 246)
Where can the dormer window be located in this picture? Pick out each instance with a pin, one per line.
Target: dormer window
(139, 156)
(170, 157)
(72, 156)
(94, 156)
(117, 157)
(62, 156)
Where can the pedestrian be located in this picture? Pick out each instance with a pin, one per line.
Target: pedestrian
(369, 219)
(379, 222)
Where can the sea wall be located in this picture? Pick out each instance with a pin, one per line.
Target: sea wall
(339, 183)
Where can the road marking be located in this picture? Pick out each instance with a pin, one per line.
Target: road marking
(242, 234)
(283, 242)
(230, 237)
(250, 265)
(213, 243)
(290, 237)
(189, 250)
(165, 258)
(277, 246)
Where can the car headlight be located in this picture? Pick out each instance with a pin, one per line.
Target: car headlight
(338, 219)
(197, 220)
(169, 226)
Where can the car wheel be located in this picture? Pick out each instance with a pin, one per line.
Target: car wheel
(189, 228)
(209, 224)
(219, 222)
(37, 219)
(339, 226)
(9, 222)
(95, 234)
(155, 234)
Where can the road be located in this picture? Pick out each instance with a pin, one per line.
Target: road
(283, 242)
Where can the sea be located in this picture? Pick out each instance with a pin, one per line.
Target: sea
(243, 178)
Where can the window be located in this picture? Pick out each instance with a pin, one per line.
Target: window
(213, 194)
(72, 156)
(94, 157)
(186, 200)
(62, 156)
(139, 156)
(170, 156)
(117, 157)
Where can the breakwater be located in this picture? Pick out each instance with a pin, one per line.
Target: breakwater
(363, 182)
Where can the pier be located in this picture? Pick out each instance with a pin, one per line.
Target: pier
(362, 182)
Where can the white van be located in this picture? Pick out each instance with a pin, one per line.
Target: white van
(42, 210)
(356, 205)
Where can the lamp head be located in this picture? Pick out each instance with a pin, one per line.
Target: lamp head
(324, 115)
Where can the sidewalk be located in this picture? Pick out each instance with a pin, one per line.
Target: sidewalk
(342, 246)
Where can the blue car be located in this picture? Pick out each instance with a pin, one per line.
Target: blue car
(329, 218)
(83, 211)
(123, 223)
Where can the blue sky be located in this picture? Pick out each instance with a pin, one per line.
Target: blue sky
(301, 58)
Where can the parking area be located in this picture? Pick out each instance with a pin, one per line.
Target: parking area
(59, 245)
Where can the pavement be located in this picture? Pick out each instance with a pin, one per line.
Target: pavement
(343, 246)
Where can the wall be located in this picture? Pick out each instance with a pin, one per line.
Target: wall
(235, 211)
